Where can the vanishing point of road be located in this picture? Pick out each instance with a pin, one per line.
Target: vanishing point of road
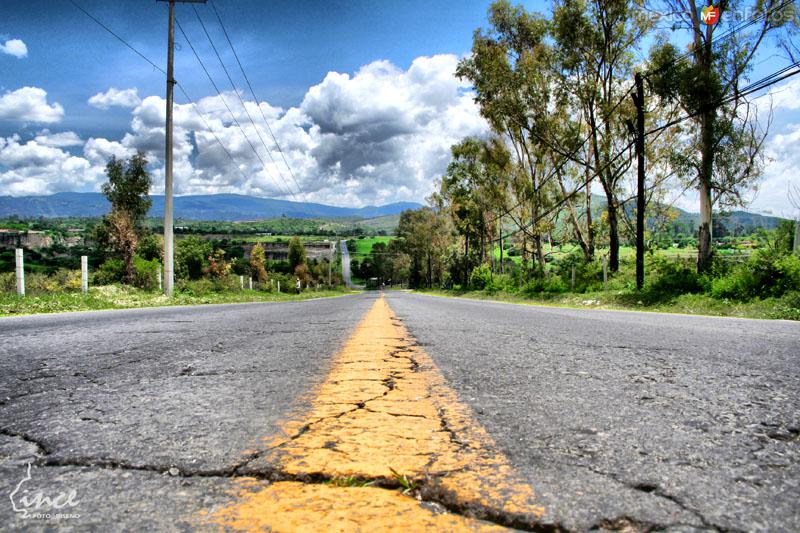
(401, 410)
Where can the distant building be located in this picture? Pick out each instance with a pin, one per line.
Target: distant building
(279, 251)
(11, 238)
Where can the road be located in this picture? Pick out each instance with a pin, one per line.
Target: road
(346, 275)
(536, 418)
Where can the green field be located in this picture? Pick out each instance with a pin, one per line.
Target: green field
(364, 246)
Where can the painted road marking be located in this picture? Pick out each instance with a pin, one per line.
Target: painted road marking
(383, 417)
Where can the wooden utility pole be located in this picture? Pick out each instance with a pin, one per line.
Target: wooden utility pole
(640, 203)
(169, 250)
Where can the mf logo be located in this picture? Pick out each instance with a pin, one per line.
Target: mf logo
(709, 15)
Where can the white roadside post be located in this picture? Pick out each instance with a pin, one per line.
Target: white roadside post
(160, 281)
(250, 280)
(573, 278)
(241, 282)
(84, 274)
(279, 285)
(605, 273)
(20, 272)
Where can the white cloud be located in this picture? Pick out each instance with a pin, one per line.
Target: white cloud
(61, 139)
(14, 47)
(29, 104)
(114, 97)
(783, 161)
(380, 135)
(34, 168)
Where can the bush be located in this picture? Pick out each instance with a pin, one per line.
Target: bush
(190, 257)
(146, 273)
(549, 284)
(670, 278)
(480, 278)
(110, 272)
(765, 274)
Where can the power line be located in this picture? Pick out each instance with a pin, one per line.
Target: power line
(241, 100)
(123, 41)
(732, 31)
(182, 89)
(763, 83)
(252, 92)
(222, 98)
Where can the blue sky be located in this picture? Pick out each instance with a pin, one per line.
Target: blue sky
(360, 94)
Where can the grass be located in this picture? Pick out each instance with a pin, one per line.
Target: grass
(364, 246)
(625, 252)
(123, 297)
(626, 300)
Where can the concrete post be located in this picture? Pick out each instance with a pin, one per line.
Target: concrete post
(279, 286)
(84, 274)
(251, 283)
(573, 278)
(20, 272)
(605, 273)
(241, 282)
(160, 281)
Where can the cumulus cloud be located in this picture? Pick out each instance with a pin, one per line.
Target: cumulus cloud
(34, 168)
(378, 135)
(14, 47)
(29, 104)
(61, 139)
(128, 98)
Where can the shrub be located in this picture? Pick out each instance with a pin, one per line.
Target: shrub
(549, 284)
(480, 278)
(190, 257)
(765, 274)
(671, 278)
(110, 272)
(146, 273)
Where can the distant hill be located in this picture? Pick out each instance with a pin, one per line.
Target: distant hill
(730, 220)
(229, 207)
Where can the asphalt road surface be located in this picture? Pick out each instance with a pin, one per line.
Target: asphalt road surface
(617, 420)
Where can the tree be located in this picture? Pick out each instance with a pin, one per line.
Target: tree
(297, 253)
(595, 43)
(257, 264)
(128, 186)
(512, 70)
(122, 238)
(424, 236)
(191, 255)
(218, 268)
(723, 158)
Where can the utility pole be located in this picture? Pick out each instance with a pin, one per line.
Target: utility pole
(169, 251)
(639, 101)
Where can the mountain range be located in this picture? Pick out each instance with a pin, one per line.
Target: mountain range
(228, 207)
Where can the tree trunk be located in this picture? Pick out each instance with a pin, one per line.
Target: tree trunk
(500, 234)
(430, 271)
(613, 234)
(704, 250)
(589, 227)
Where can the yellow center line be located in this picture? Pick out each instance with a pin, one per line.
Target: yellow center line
(384, 415)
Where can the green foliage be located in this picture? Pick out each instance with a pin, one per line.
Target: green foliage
(481, 277)
(297, 253)
(151, 246)
(146, 273)
(669, 278)
(128, 186)
(257, 263)
(191, 256)
(111, 271)
(762, 276)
